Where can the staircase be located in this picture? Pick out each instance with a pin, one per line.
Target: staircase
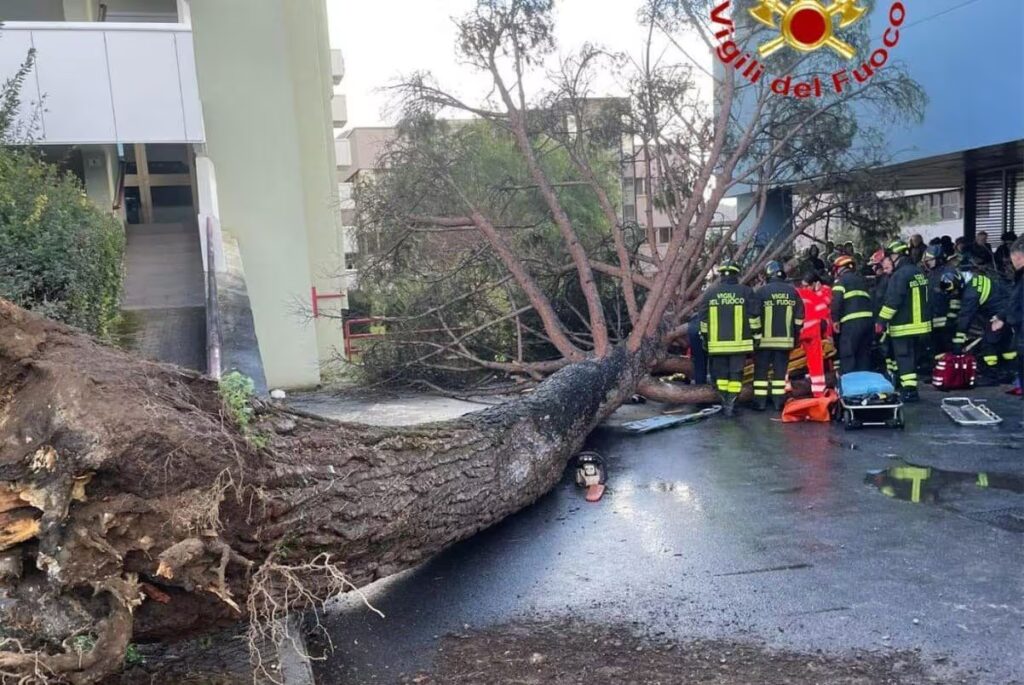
(164, 299)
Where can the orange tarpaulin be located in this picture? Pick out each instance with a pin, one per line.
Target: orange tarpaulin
(817, 409)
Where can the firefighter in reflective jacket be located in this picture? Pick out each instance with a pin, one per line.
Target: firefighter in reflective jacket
(945, 307)
(906, 314)
(782, 317)
(983, 300)
(881, 268)
(730, 319)
(852, 316)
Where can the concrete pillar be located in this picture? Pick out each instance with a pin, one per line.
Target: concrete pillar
(101, 174)
(81, 10)
(184, 12)
(312, 78)
(208, 209)
(971, 207)
(255, 102)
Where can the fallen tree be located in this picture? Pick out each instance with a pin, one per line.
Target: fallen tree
(135, 506)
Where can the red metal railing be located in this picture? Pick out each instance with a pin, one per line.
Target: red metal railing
(316, 297)
(351, 339)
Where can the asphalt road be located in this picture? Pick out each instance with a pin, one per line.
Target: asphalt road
(749, 530)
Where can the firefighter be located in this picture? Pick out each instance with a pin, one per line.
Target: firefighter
(881, 268)
(852, 315)
(782, 318)
(905, 316)
(730, 320)
(983, 299)
(1014, 315)
(945, 309)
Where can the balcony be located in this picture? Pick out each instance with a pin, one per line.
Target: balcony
(106, 82)
(337, 66)
(339, 110)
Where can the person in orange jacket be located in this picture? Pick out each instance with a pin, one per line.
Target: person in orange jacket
(817, 298)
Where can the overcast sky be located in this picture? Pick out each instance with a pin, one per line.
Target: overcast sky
(383, 39)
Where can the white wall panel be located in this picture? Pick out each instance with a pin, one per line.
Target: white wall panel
(189, 86)
(73, 81)
(144, 80)
(108, 83)
(14, 48)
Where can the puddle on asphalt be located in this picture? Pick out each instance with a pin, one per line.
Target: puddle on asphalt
(922, 484)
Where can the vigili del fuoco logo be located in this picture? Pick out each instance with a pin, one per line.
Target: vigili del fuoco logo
(806, 26)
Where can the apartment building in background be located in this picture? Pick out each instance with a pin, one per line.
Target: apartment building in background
(177, 114)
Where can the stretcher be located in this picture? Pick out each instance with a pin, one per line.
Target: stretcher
(966, 412)
(657, 423)
(869, 399)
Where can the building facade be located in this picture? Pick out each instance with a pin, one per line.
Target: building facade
(180, 114)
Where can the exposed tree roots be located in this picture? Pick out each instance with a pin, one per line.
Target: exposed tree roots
(133, 509)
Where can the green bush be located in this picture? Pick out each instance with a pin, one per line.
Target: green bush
(237, 392)
(60, 255)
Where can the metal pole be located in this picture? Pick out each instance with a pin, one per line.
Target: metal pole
(212, 310)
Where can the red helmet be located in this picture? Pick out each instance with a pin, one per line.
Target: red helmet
(843, 262)
(877, 258)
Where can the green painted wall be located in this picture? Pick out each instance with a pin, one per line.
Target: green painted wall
(269, 137)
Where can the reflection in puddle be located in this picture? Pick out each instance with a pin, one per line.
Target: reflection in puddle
(924, 484)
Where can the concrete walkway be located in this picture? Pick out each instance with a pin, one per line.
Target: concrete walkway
(749, 530)
(383, 408)
(164, 294)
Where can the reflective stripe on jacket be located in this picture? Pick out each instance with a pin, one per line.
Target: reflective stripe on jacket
(730, 318)
(782, 315)
(906, 307)
(983, 298)
(851, 299)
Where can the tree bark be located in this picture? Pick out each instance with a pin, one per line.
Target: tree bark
(127, 480)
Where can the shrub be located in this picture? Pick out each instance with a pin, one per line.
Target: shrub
(60, 255)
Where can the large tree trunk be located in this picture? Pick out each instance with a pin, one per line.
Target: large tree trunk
(133, 508)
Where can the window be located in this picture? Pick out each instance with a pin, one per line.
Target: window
(627, 145)
(572, 126)
(935, 207)
(664, 234)
(641, 186)
(629, 213)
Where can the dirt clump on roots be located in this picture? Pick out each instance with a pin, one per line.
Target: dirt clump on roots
(575, 653)
(135, 507)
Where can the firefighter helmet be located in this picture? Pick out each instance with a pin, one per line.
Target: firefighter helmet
(774, 270)
(935, 253)
(842, 263)
(952, 282)
(897, 247)
(877, 258)
(729, 267)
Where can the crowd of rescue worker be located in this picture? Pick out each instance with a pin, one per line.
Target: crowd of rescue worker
(896, 313)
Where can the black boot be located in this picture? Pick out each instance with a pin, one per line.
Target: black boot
(910, 395)
(987, 377)
(729, 404)
(760, 404)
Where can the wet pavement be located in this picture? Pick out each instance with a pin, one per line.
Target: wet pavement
(749, 530)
